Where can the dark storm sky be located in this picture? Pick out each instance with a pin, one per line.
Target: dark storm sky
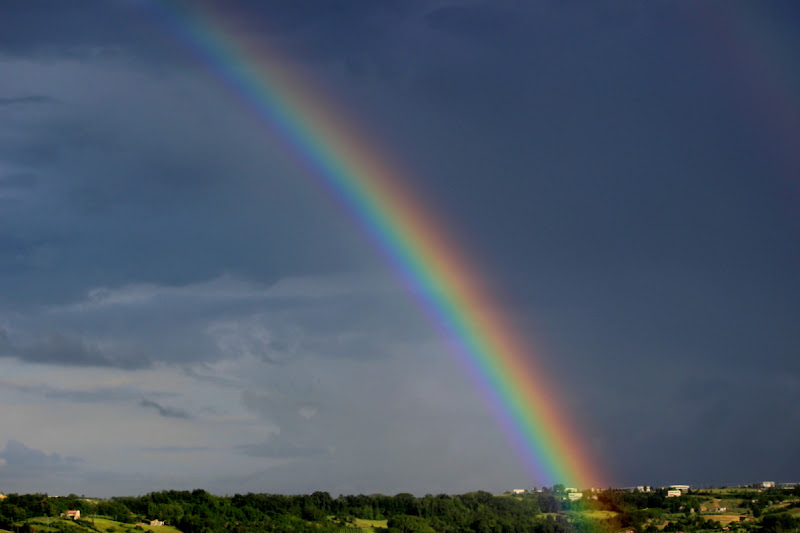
(180, 307)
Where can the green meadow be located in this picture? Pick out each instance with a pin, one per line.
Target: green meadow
(371, 525)
(598, 514)
(92, 525)
(111, 526)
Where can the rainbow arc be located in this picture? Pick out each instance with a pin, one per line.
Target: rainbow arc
(415, 244)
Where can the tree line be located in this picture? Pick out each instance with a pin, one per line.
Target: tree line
(549, 511)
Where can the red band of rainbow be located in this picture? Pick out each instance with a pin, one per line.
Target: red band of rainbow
(413, 242)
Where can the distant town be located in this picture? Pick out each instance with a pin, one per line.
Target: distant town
(672, 491)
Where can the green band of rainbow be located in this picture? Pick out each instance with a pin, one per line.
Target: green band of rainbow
(411, 239)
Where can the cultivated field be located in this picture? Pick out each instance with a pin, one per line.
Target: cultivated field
(724, 518)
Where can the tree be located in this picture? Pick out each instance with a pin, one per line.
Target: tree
(409, 524)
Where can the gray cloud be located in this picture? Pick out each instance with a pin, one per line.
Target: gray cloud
(477, 21)
(215, 320)
(617, 182)
(21, 460)
(177, 449)
(277, 449)
(70, 349)
(91, 396)
(165, 411)
(18, 180)
(31, 99)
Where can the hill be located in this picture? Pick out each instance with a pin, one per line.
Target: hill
(548, 511)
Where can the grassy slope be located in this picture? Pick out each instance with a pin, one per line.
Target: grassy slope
(724, 518)
(118, 527)
(599, 515)
(370, 525)
(102, 524)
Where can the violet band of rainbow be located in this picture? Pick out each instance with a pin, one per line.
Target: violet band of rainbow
(412, 241)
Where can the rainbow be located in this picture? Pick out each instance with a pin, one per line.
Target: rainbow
(412, 241)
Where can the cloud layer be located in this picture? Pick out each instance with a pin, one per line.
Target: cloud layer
(181, 306)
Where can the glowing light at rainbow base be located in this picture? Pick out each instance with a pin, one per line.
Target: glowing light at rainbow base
(412, 241)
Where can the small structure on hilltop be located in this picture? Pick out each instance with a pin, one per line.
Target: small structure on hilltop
(768, 484)
(673, 493)
(75, 515)
(156, 522)
(574, 496)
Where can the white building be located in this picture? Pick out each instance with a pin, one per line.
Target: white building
(683, 488)
(673, 493)
(768, 484)
(574, 496)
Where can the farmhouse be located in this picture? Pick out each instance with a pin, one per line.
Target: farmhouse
(574, 496)
(683, 488)
(75, 515)
(673, 493)
(518, 491)
(156, 522)
(768, 484)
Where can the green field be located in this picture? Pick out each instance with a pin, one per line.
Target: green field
(46, 524)
(119, 527)
(364, 525)
(724, 518)
(729, 491)
(598, 515)
(371, 525)
(102, 524)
